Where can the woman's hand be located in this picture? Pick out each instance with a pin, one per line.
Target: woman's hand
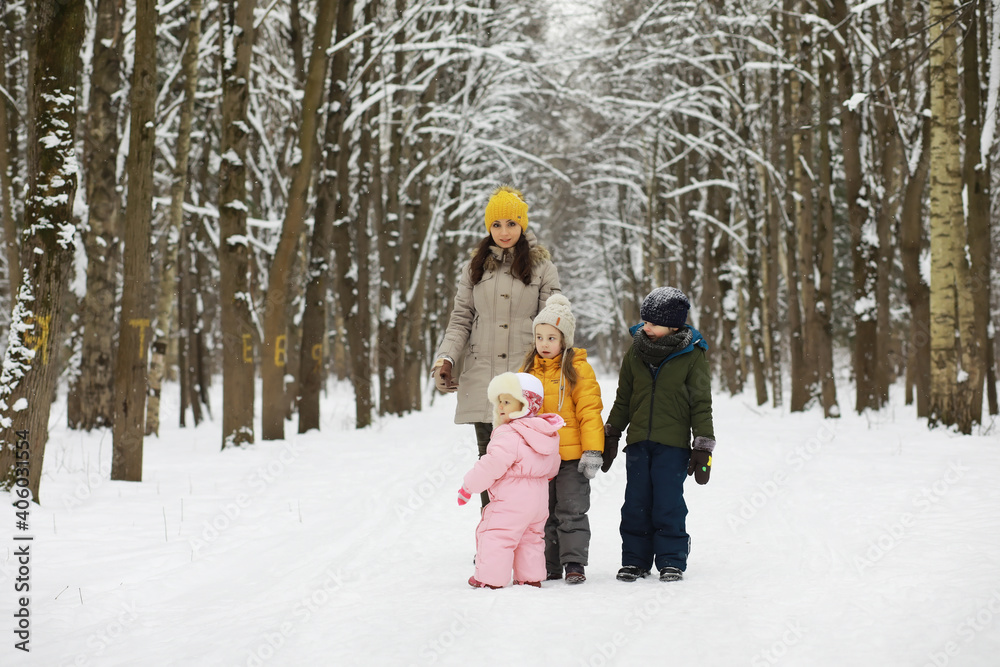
(443, 380)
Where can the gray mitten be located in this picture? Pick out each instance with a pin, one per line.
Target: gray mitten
(590, 463)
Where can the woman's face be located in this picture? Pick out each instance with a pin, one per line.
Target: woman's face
(655, 331)
(505, 233)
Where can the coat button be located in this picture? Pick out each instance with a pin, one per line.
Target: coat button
(503, 356)
(503, 326)
(505, 296)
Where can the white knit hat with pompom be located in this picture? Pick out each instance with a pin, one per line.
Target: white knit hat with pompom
(557, 313)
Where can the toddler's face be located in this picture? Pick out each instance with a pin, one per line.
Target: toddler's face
(548, 341)
(506, 404)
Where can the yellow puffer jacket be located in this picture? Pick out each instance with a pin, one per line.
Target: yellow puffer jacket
(581, 407)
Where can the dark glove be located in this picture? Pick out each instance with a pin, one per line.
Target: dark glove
(442, 377)
(700, 465)
(611, 437)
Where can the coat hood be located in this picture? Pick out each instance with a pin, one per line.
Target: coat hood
(538, 431)
(537, 252)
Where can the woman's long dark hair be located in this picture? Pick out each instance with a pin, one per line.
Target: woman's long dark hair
(521, 267)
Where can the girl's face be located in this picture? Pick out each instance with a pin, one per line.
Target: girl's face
(548, 341)
(655, 331)
(506, 404)
(505, 233)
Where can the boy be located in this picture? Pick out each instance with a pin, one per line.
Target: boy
(664, 397)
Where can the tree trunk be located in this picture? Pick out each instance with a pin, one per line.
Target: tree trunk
(7, 222)
(391, 246)
(796, 114)
(767, 263)
(359, 320)
(862, 252)
(976, 179)
(274, 353)
(133, 332)
(328, 234)
(911, 246)
(238, 328)
(168, 293)
(888, 143)
(30, 362)
(953, 370)
(824, 241)
(95, 384)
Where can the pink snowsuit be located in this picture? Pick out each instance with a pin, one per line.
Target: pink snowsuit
(523, 455)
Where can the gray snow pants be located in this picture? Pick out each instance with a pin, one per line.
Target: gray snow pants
(567, 532)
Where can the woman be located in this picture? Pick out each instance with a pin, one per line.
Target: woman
(503, 288)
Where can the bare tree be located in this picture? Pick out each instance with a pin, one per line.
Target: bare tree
(239, 330)
(7, 222)
(131, 367)
(168, 298)
(30, 363)
(91, 398)
(274, 350)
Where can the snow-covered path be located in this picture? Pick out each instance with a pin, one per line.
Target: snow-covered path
(861, 541)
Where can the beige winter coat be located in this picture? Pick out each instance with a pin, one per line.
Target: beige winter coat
(490, 329)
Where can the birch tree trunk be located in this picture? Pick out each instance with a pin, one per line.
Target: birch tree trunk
(133, 330)
(30, 362)
(238, 325)
(274, 352)
(94, 384)
(953, 361)
(169, 294)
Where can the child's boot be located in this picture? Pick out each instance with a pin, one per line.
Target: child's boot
(575, 574)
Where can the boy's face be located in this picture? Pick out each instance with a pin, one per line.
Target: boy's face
(506, 404)
(548, 341)
(655, 331)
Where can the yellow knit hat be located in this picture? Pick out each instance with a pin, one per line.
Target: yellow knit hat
(507, 203)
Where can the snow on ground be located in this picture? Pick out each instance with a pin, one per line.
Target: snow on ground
(867, 540)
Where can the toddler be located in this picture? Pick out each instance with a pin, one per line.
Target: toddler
(522, 456)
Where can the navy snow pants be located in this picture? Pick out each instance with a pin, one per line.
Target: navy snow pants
(654, 511)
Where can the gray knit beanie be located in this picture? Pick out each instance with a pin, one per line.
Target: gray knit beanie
(665, 307)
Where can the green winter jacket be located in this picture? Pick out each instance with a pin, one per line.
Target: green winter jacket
(670, 405)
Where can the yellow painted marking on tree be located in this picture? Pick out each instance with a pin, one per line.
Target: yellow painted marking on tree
(281, 350)
(247, 348)
(38, 338)
(317, 355)
(143, 324)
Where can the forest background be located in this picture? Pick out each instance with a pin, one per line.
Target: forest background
(271, 195)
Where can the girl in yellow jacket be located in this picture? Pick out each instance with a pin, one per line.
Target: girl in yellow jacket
(571, 391)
